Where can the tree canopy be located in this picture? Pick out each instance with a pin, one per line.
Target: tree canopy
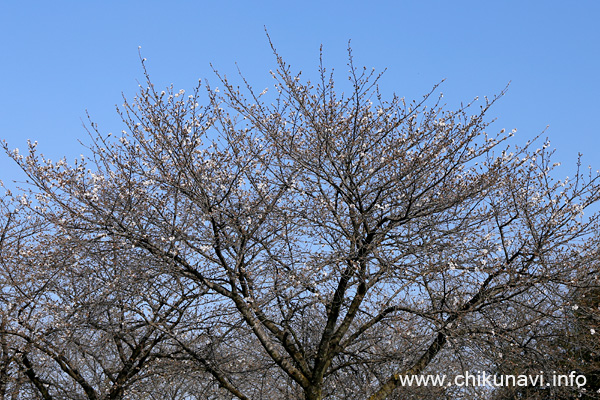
(295, 243)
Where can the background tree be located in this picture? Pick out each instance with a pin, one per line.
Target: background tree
(569, 344)
(8, 247)
(585, 345)
(338, 242)
(76, 321)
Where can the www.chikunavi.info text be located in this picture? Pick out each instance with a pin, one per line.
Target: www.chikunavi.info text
(482, 378)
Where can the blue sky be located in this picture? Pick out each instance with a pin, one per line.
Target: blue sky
(61, 58)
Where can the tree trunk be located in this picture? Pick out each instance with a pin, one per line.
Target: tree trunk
(313, 393)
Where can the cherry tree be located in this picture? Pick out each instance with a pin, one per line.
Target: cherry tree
(328, 243)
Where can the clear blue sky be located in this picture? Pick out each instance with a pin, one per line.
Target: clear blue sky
(60, 58)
